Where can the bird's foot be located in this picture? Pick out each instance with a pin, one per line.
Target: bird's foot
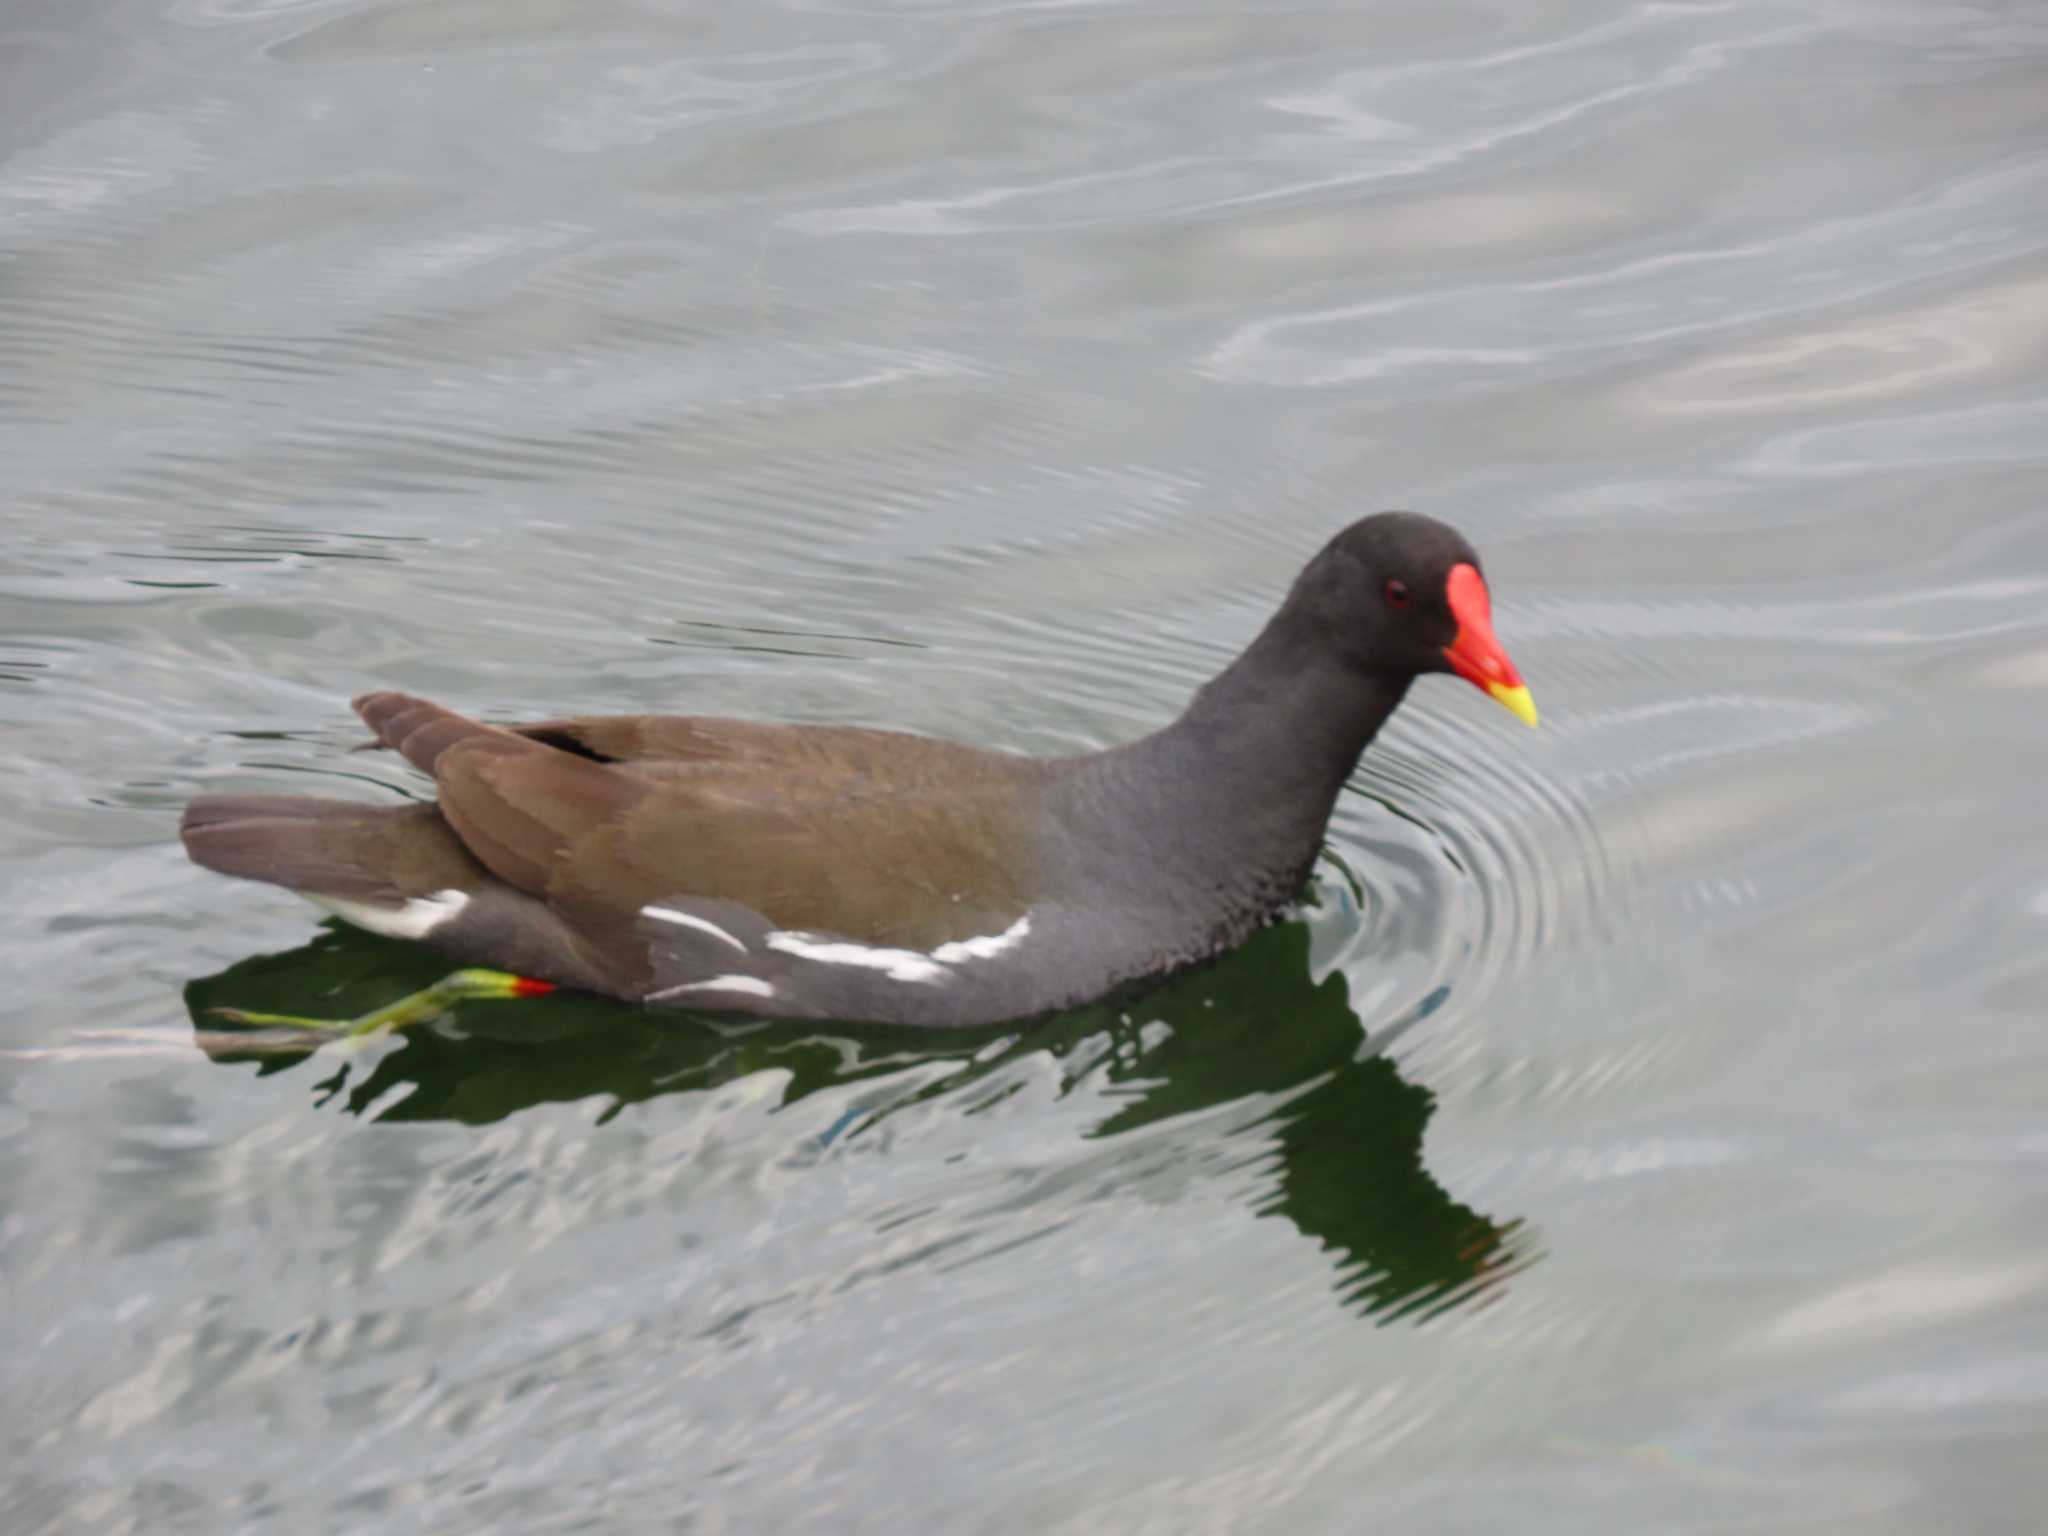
(415, 1008)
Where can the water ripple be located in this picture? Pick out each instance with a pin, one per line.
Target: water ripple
(987, 369)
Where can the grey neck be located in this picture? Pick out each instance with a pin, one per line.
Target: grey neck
(1232, 799)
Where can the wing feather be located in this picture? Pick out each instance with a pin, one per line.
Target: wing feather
(878, 836)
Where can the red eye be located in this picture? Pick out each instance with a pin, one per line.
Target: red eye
(1397, 594)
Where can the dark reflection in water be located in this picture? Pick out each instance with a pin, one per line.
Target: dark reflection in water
(1345, 1136)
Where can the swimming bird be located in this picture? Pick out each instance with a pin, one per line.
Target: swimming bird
(808, 871)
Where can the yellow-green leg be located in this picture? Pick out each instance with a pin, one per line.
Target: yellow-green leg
(417, 1008)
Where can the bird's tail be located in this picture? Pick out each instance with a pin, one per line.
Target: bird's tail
(338, 848)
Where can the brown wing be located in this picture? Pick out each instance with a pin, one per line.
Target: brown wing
(645, 740)
(904, 866)
(882, 837)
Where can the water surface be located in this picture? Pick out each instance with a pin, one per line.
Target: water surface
(1639, 1128)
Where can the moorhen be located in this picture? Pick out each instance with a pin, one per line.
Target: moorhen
(826, 872)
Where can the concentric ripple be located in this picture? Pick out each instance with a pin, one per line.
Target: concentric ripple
(1516, 862)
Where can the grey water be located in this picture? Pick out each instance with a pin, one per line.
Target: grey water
(1641, 1125)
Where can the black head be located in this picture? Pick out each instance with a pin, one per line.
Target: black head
(1398, 594)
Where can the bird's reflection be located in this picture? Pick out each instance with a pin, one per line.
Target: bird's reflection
(1346, 1127)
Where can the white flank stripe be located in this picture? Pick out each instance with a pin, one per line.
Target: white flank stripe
(900, 964)
(987, 947)
(684, 919)
(896, 964)
(753, 986)
(420, 915)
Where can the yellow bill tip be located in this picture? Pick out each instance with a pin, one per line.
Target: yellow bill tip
(1515, 701)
